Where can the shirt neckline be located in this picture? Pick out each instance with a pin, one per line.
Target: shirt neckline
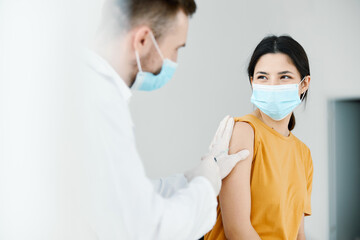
(271, 130)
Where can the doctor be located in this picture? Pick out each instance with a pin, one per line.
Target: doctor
(136, 48)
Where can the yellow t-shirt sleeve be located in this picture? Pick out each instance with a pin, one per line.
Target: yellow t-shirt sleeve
(309, 179)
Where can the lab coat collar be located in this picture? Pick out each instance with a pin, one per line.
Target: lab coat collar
(100, 65)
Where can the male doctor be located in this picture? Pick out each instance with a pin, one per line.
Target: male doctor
(136, 49)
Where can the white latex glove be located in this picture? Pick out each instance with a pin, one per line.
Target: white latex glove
(209, 169)
(217, 164)
(219, 148)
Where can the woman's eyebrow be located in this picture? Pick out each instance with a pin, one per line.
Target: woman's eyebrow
(265, 73)
(285, 72)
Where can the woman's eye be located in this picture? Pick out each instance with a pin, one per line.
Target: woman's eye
(285, 77)
(261, 77)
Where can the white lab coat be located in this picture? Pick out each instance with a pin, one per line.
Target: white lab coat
(120, 201)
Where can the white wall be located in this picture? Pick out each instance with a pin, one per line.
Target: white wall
(175, 124)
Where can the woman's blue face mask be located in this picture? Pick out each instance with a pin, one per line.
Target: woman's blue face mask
(276, 101)
(147, 81)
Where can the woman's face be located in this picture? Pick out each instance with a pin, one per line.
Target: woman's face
(278, 69)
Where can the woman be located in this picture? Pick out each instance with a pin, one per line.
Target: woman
(268, 195)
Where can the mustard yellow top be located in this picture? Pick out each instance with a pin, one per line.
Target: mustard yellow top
(280, 183)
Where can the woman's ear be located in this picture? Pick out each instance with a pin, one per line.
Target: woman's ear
(141, 40)
(305, 84)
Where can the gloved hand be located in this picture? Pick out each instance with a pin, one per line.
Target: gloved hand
(219, 148)
(209, 169)
(217, 164)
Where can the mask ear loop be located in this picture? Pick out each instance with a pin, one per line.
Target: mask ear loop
(302, 98)
(156, 45)
(138, 60)
(157, 48)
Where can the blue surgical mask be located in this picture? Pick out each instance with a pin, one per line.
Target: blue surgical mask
(147, 81)
(276, 101)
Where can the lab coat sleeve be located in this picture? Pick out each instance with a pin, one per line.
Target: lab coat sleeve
(122, 198)
(166, 187)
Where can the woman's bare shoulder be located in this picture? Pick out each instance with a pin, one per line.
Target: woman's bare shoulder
(242, 137)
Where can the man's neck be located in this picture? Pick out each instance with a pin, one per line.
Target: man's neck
(116, 56)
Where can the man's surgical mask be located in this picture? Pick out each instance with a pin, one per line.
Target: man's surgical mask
(276, 101)
(147, 81)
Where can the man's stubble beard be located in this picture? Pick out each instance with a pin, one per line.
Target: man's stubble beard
(146, 63)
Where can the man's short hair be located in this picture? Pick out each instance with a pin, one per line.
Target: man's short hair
(157, 14)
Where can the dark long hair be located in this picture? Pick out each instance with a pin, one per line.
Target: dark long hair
(288, 46)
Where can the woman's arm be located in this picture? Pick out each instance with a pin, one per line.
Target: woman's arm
(301, 233)
(235, 196)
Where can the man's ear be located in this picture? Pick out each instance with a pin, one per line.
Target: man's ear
(141, 40)
(305, 84)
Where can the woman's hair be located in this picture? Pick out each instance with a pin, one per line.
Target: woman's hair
(288, 46)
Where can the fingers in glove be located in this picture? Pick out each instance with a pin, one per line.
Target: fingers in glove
(227, 164)
(242, 155)
(222, 126)
(220, 130)
(228, 130)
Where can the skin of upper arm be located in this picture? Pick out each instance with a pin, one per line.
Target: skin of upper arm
(235, 195)
(301, 233)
